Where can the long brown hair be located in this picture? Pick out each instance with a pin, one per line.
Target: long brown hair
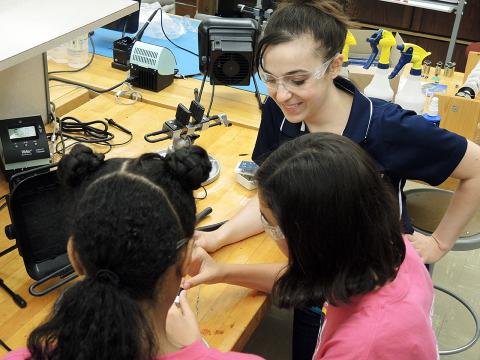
(324, 20)
(339, 217)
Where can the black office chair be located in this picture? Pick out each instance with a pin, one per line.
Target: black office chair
(38, 208)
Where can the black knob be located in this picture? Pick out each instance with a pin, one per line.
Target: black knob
(10, 231)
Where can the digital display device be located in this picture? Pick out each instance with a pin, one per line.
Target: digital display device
(22, 133)
(23, 144)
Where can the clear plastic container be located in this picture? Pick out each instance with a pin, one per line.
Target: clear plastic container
(410, 96)
(432, 113)
(59, 54)
(78, 52)
(380, 87)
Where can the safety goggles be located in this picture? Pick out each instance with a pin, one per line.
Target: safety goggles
(294, 82)
(182, 242)
(273, 231)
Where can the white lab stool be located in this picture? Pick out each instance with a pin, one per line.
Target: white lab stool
(426, 207)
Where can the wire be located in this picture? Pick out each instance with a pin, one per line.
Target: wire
(211, 100)
(97, 90)
(124, 27)
(180, 76)
(5, 203)
(91, 132)
(110, 146)
(56, 126)
(166, 37)
(5, 346)
(204, 195)
(90, 38)
(62, 138)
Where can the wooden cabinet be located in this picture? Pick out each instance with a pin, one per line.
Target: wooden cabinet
(427, 28)
(191, 7)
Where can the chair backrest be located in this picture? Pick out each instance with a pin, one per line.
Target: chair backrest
(38, 209)
(426, 207)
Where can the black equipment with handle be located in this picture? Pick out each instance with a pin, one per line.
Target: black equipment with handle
(39, 210)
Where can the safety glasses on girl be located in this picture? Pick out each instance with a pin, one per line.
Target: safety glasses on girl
(182, 242)
(293, 82)
(273, 231)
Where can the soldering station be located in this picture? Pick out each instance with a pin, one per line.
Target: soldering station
(122, 48)
(23, 144)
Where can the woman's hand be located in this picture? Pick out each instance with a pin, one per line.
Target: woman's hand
(182, 326)
(210, 241)
(427, 247)
(203, 269)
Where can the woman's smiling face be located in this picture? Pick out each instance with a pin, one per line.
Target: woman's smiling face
(299, 77)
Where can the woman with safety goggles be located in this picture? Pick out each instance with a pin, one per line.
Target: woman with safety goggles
(299, 59)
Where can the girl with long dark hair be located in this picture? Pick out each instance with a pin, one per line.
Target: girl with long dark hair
(324, 203)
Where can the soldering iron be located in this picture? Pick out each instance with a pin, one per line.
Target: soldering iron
(122, 48)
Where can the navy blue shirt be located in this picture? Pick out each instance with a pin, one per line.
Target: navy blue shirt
(402, 143)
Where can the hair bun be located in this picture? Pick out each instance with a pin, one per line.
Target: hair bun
(191, 166)
(79, 163)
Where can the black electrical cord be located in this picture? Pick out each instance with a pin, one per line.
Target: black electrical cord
(3, 197)
(62, 150)
(91, 132)
(62, 139)
(166, 37)
(124, 27)
(211, 100)
(110, 146)
(205, 194)
(90, 38)
(5, 346)
(71, 82)
(97, 90)
(180, 76)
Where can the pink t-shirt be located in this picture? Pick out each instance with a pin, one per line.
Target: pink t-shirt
(393, 322)
(195, 351)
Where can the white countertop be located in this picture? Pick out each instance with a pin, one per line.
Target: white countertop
(31, 27)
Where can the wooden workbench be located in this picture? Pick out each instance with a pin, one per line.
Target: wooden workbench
(240, 105)
(227, 314)
(68, 97)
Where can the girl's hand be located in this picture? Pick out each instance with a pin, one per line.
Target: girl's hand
(182, 326)
(203, 269)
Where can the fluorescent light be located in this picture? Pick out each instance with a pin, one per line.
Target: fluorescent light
(426, 4)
